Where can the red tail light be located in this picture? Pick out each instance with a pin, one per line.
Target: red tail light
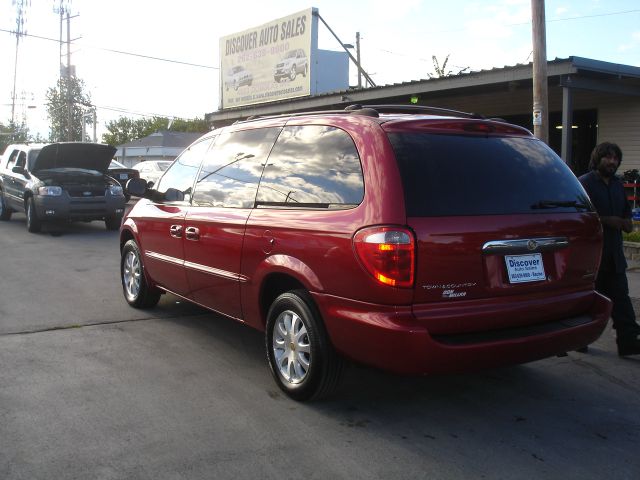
(387, 253)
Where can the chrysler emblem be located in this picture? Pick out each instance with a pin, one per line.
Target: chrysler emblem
(532, 245)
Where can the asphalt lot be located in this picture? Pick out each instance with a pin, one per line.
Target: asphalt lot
(93, 389)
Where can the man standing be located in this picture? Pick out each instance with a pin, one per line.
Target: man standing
(608, 196)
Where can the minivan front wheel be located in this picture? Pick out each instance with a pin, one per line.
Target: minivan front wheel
(301, 357)
(136, 290)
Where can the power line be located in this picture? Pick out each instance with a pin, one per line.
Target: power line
(513, 25)
(120, 52)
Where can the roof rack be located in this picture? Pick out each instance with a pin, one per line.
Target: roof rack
(412, 109)
(372, 111)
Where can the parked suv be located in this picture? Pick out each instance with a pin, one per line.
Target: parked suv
(293, 63)
(238, 76)
(60, 181)
(414, 240)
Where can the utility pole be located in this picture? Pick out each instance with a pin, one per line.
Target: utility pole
(69, 101)
(20, 8)
(540, 90)
(358, 58)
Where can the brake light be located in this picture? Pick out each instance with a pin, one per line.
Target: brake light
(387, 253)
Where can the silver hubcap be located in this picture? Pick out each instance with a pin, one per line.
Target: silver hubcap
(291, 349)
(131, 275)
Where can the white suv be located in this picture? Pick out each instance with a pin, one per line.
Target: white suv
(293, 63)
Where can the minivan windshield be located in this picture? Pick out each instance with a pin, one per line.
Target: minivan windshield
(446, 175)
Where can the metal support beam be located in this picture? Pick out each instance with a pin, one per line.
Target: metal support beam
(567, 122)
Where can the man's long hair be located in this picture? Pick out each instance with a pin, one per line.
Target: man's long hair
(605, 149)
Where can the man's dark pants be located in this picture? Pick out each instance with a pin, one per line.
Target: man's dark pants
(614, 285)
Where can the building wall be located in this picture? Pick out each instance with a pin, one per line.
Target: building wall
(619, 122)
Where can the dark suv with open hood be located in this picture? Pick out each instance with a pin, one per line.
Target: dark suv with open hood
(414, 240)
(60, 181)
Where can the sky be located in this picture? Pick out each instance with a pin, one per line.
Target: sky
(149, 57)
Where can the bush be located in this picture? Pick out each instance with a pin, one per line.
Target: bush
(631, 237)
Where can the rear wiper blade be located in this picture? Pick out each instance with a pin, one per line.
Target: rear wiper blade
(559, 204)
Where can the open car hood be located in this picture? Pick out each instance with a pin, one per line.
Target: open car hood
(91, 156)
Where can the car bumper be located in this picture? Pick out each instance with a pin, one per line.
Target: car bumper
(398, 340)
(72, 208)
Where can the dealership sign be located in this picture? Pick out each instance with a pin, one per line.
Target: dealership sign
(269, 62)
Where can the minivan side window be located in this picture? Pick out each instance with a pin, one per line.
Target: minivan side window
(313, 166)
(232, 168)
(183, 171)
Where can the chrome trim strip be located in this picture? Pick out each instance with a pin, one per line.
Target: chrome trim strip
(215, 272)
(524, 245)
(197, 267)
(164, 258)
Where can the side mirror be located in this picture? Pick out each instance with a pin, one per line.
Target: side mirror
(20, 170)
(173, 195)
(136, 187)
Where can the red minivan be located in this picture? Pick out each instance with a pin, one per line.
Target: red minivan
(415, 240)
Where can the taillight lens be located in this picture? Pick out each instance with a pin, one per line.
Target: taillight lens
(387, 253)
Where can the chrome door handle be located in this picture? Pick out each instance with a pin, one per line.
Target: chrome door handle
(176, 231)
(192, 233)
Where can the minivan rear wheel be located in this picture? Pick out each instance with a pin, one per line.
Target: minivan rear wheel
(301, 357)
(136, 290)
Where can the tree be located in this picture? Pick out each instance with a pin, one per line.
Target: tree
(14, 133)
(441, 71)
(57, 108)
(126, 129)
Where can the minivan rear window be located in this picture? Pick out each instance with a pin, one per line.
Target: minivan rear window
(453, 175)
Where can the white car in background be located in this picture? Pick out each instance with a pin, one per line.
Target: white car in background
(152, 170)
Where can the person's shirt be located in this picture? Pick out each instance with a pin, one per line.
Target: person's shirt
(609, 200)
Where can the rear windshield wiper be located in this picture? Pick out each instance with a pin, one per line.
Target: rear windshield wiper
(559, 204)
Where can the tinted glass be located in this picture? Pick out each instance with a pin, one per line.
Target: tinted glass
(232, 168)
(474, 175)
(312, 166)
(183, 172)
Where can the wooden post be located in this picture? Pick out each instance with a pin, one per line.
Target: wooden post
(540, 94)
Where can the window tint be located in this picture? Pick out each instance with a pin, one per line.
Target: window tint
(183, 172)
(231, 171)
(474, 175)
(33, 154)
(312, 166)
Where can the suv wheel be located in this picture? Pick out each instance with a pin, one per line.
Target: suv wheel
(293, 72)
(33, 222)
(302, 360)
(134, 285)
(5, 211)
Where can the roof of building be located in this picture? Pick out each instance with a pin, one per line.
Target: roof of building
(164, 138)
(576, 72)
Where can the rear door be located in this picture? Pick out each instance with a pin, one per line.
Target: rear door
(494, 216)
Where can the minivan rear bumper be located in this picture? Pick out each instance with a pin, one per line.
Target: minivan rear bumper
(394, 339)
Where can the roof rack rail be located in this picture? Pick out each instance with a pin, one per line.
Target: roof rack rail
(413, 109)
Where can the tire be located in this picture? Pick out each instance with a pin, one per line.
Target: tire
(277, 79)
(306, 68)
(137, 291)
(5, 211)
(301, 358)
(113, 222)
(34, 224)
(292, 73)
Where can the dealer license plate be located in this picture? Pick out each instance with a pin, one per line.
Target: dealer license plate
(525, 268)
(123, 176)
